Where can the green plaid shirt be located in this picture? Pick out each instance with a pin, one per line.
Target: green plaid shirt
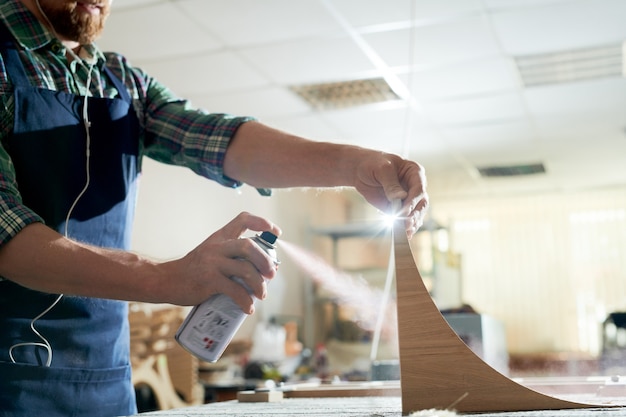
(171, 130)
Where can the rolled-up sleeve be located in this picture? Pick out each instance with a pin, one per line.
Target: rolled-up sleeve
(177, 133)
(14, 215)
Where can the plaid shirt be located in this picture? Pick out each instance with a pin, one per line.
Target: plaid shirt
(171, 130)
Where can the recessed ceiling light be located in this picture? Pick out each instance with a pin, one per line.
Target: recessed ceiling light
(573, 65)
(512, 170)
(344, 94)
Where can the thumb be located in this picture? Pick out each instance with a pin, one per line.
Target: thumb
(393, 189)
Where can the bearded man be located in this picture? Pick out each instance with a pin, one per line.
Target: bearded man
(74, 125)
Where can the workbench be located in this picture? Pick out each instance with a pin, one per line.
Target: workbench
(349, 406)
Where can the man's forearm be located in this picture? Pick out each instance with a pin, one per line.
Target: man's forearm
(41, 259)
(264, 157)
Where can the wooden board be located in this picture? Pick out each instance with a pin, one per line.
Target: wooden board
(259, 396)
(437, 369)
(345, 389)
(322, 390)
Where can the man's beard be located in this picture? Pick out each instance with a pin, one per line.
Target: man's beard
(69, 24)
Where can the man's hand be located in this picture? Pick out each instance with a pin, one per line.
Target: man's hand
(207, 269)
(383, 178)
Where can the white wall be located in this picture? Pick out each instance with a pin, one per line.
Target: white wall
(177, 209)
(550, 266)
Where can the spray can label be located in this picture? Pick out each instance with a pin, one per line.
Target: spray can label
(210, 326)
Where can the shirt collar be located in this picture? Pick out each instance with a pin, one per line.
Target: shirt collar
(31, 34)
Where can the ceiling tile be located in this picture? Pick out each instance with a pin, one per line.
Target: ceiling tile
(311, 61)
(487, 76)
(213, 72)
(272, 102)
(509, 4)
(583, 97)
(371, 13)
(437, 44)
(505, 154)
(592, 129)
(425, 146)
(158, 31)
(130, 4)
(382, 126)
(560, 26)
(477, 110)
(483, 138)
(252, 22)
(311, 126)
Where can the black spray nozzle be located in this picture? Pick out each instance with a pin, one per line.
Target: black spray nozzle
(269, 237)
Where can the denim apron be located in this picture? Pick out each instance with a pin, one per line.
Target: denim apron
(90, 373)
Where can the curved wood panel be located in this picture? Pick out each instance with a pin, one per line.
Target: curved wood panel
(437, 369)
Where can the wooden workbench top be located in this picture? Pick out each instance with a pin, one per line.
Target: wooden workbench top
(310, 407)
(349, 406)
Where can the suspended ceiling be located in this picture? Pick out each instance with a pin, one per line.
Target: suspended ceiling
(463, 101)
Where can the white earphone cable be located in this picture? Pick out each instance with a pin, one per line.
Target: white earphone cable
(87, 124)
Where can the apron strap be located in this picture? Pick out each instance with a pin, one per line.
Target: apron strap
(12, 60)
(119, 85)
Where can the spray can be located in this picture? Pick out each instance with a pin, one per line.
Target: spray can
(211, 325)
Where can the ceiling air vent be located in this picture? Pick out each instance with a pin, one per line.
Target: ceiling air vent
(568, 66)
(512, 170)
(344, 94)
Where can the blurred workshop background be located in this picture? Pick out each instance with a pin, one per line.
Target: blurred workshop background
(517, 110)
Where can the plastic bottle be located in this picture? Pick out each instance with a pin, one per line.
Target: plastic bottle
(211, 325)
